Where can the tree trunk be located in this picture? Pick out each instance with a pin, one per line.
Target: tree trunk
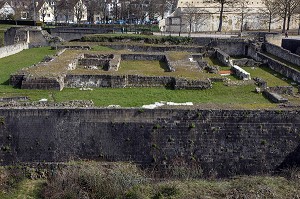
(242, 21)
(284, 19)
(190, 30)
(288, 21)
(221, 18)
(270, 21)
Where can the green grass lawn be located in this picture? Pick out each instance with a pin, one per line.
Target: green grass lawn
(241, 97)
(29, 189)
(271, 77)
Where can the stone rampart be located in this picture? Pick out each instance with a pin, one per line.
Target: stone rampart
(281, 67)
(282, 53)
(12, 49)
(221, 142)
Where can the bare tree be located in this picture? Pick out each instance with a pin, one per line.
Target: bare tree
(283, 6)
(222, 3)
(270, 12)
(43, 11)
(64, 9)
(193, 15)
(79, 11)
(292, 10)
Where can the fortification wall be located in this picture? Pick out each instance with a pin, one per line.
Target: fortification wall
(13, 49)
(282, 53)
(221, 142)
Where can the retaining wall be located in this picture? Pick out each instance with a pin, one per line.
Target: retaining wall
(13, 49)
(221, 142)
(222, 57)
(281, 68)
(282, 53)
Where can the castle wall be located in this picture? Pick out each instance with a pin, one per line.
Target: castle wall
(221, 142)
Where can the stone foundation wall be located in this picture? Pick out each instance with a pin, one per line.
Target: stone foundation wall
(121, 81)
(281, 68)
(42, 83)
(12, 49)
(222, 57)
(143, 57)
(282, 53)
(221, 142)
(137, 48)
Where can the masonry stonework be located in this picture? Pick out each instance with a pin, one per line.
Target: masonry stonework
(221, 142)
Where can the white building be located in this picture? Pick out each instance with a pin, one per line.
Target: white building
(6, 10)
(247, 15)
(45, 12)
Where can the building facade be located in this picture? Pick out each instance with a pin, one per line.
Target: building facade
(204, 15)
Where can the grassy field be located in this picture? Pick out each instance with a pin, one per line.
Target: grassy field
(240, 97)
(29, 189)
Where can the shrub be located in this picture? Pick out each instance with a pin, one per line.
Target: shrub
(93, 180)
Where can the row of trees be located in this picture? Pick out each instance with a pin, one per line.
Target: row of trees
(132, 10)
(274, 10)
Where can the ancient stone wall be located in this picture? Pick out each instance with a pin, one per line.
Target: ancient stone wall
(13, 49)
(281, 67)
(121, 81)
(145, 48)
(221, 142)
(143, 57)
(291, 44)
(282, 53)
(222, 57)
(233, 47)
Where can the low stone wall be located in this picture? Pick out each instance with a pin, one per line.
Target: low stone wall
(222, 57)
(241, 73)
(274, 97)
(282, 53)
(281, 68)
(43, 83)
(121, 81)
(192, 84)
(144, 48)
(246, 62)
(143, 57)
(170, 67)
(12, 49)
(286, 90)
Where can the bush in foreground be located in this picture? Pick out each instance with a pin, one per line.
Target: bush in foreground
(93, 180)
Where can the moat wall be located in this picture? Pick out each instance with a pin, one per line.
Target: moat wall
(222, 142)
